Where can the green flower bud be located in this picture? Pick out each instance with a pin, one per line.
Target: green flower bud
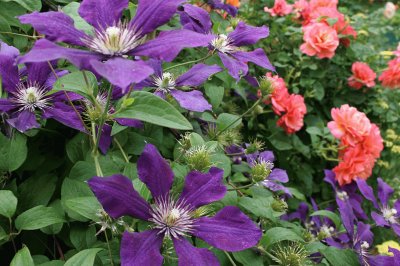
(198, 158)
(229, 137)
(292, 254)
(279, 205)
(254, 146)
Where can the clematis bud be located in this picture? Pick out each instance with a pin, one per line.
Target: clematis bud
(198, 158)
(292, 254)
(279, 205)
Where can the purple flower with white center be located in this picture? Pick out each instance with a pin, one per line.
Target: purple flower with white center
(229, 229)
(27, 94)
(165, 83)
(113, 39)
(386, 216)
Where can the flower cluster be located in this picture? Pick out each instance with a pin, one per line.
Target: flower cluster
(360, 143)
(280, 8)
(290, 107)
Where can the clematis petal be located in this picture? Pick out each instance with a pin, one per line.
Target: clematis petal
(118, 197)
(396, 229)
(276, 187)
(229, 230)
(154, 171)
(105, 138)
(197, 75)
(152, 14)
(8, 69)
(279, 175)
(330, 178)
(267, 156)
(24, 121)
(379, 219)
(367, 191)
(191, 100)
(57, 26)
(364, 233)
(141, 249)
(189, 255)
(168, 44)
(384, 192)
(347, 215)
(122, 72)
(45, 50)
(102, 13)
(38, 72)
(203, 188)
(64, 114)
(235, 67)
(6, 105)
(257, 57)
(128, 122)
(195, 18)
(247, 35)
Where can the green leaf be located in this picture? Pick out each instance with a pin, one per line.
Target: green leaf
(215, 93)
(28, 191)
(340, 257)
(85, 257)
(30, 5)
(76, 82)
(280, 141)
(277, 234)
(22, 258)
(38, 217)
(227, 121)
(13, 152)
(72, 10)
(248, 257)
(8, 203)
(85, 206)
(152, 109)
(331, 215)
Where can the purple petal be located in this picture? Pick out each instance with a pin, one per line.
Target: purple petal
(6, 105)
(141, 249)
(379, 220)
(105, 138)
(191, 100)
(229, 230)
(330, 178)
(396, 256)
(154, 171)
(367, 191)
(279, 175)
(203, 188)
(8, 68)
(397, 206)
(102, 13)
(396, 229)
(45, 50)
(247, 35)
(347, 215)
(300, 213)
(128, 122)
(38, 72)
(51, 79)
(217, 4)
(152, 14)
(267, 156)
(168, 44)
(118, 197)
(24, 121)
(189, 255)
(64, 114)
(276, 187)
(235, 67)
(257, 57)
(384, 192)
(57, 26)
(122, 72)
(197, 75)
(195, 18)
(364, 233)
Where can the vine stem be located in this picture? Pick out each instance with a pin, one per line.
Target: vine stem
(190, 62)
(18, 34)
(242, 187)
(109, 248)
(121, 149)
(95, 151)
(230, 258)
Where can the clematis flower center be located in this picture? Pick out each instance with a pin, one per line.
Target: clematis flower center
(325, 232)
(223, 44)
(390, 215)
(31, 97)
(342, 195)
(172, 218)
(166, 82)
(261, 170)
(115, 40)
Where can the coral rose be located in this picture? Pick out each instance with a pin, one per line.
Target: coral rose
(279, 95)
(373, 143)
(349, 125)
(363, 75)
(320, 40)
(391, 77)
(314, 4)
(301, 10)
(280, 8)
(292, 120)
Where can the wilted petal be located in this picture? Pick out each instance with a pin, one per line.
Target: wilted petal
(168, 44)
(8, 67)
(229, 230)
(235, 67)
(64, 114)
(154, 171)
(118, 197)
(191, 100)
(24, 121)
(247, 35)
(189, 255)
(122, 72)
(197, 75)
(384, 192)
(128, 122)
(195, 18)
(367, 191)
(152, 14)
(203, 188)
(57, 26)
(102, 13)
(257, 57)
(141, 249)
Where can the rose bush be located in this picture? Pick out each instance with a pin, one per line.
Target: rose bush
(173, 132)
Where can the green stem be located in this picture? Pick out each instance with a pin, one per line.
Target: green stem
(242, 187)
(109, 248)
(18, 34)
(230, 258)
(190, 62)
(95, 152)
(121, 149)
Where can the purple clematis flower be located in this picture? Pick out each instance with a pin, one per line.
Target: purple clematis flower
(165, 83)
(171, 218)
(27, 94)
(386, 216)
(113, 40)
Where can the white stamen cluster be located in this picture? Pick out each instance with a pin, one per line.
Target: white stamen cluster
(390, 215)
(326, 231)
(164, 83)
(342, 195)
(172, 218)
(223, 44)
(114, 40)
(31, 97)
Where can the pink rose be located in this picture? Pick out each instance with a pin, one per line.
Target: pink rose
(363, 75)
(320, 40)
(314, 4)
(391, 77)
(280, 8)
(373, 143)
(292, 120)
